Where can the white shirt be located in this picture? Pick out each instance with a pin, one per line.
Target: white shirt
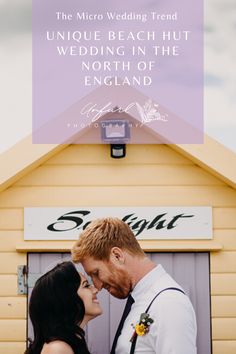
(174, 328)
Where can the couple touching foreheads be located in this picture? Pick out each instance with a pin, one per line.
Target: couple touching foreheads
(158, 316)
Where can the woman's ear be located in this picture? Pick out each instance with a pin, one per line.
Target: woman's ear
(117, 255)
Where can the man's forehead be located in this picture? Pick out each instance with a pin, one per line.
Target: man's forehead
(91, 263)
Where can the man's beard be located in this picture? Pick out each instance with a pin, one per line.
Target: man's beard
(119, 284)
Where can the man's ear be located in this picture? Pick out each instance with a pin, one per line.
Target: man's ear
(117, 255)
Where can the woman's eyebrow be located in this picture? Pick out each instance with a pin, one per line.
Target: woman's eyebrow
(85, 282)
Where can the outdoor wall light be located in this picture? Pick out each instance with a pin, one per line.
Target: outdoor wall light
(117, 133)
(118, 151)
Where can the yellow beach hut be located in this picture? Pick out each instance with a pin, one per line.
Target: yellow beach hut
(150, 176)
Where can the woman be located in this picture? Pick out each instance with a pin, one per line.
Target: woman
(61, 304)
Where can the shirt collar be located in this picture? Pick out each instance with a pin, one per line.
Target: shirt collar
(146, 282)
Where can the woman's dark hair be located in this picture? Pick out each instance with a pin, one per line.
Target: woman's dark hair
(56, 310)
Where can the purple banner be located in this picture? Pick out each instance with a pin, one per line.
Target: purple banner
(138, 61)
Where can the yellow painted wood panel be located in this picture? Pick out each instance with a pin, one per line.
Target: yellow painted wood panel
(144, 154)
(223, 262)
(227, 238)
(224, 346)
(9, 262)
(113, 196)
(224, 218)
(74, 175)
(224, 328)
(147, 246)
(9, 239)
(8, 285)
(223, 284)
(11, 219)
(13, 307)
(12, 347)
(12, 330)
(223, 306)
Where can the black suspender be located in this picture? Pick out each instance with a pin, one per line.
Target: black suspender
(132, 349)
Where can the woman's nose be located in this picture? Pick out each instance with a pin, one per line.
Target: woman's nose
(94, 289)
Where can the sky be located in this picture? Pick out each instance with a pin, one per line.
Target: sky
(16, 71)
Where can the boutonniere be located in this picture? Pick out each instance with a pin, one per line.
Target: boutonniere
(142, 327)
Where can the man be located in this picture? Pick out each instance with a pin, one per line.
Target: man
(113, 258)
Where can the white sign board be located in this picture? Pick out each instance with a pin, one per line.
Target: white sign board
(147, 223)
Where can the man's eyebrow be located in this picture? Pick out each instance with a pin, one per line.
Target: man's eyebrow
(92, 272)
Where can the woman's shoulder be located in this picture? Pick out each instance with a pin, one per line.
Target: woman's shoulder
(57, 347)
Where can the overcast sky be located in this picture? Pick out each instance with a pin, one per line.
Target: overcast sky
(16, 71)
